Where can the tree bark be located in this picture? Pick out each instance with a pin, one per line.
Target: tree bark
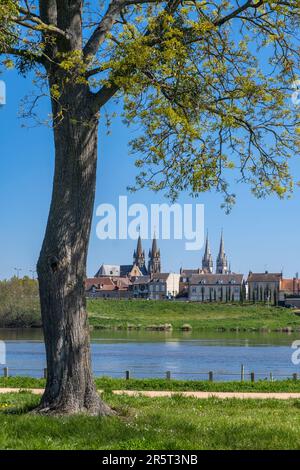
(61, 267)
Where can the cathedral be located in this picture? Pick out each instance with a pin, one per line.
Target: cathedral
(222, 266)
(154, 265)
(139, 266)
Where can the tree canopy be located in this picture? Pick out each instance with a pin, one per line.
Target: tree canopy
(207, 84)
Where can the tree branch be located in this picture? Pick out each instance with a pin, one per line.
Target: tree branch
(102, 29)
(108, 91)
(23, 53)
(38, 23)
(107, 22)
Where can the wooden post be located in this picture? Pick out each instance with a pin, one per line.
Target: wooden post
(295, 376)
(242, 372)
(252, 377)
(5, 371)
(211, 376)
(271, 377)
(168, 375)
(127, 374)
(45, 373)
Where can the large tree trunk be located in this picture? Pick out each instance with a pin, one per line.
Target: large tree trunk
(61, 267)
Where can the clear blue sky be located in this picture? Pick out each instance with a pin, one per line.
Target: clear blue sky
(259, 234)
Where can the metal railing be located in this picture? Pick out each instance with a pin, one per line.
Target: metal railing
(240, 376)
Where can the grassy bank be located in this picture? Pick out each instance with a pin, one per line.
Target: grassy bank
(147, 314)
(19, 308)
(155, 423)
(107, 384)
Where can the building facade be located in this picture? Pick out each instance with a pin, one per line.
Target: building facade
(264, 287)
(140, 287)
(216, 288)
(164, 286)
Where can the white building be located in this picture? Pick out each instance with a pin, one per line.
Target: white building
(163, 286)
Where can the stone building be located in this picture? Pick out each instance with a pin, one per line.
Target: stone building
(216, 287)
(264, 287)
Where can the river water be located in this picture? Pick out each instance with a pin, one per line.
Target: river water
(187, 355)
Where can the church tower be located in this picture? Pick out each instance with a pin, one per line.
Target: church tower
(139, 255)
(207, 261)
(154, 265)
(222, 264)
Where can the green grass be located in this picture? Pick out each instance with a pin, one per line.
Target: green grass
(155, 423)
(141, 314)
(108, 384)
(19, 307)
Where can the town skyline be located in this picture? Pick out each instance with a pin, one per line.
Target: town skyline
(209, 261)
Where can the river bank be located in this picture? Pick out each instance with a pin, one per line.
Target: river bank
(185, 316)
(165, 315)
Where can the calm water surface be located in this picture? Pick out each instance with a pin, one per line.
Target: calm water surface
(151, 354)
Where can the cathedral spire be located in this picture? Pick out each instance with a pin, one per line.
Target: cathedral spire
(222, 263)
(207, 262)
(154, 245)
(221, 250)
(139, 249)
(139, 254)
(154, 265)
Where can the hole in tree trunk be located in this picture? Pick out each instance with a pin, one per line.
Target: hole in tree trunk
(54, 264)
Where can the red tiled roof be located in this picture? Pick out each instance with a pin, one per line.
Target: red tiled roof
(101, 283)
(290, 285)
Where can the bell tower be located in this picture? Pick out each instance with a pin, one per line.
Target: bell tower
(154, 264)
(139, 254)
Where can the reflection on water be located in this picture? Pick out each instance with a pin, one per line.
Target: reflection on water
(150, 354)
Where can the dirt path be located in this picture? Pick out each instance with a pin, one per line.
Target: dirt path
(201, 395)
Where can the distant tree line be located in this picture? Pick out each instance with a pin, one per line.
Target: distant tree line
(19, 303)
